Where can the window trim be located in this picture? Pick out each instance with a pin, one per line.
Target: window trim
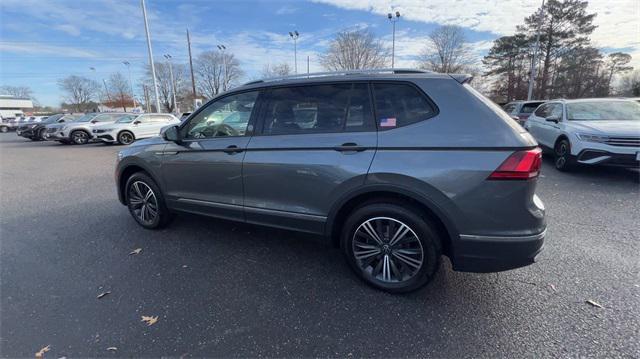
(252, 120)
(260, 126)
(372, 84)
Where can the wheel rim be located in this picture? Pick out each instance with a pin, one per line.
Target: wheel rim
(561, 152)
(143, 202)
(4, 129)
(79, 137)
(387, 250)
(126, 138)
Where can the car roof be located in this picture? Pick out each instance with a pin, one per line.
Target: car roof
(595, 99)
(349, 76)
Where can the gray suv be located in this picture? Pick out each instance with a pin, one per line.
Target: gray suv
(395, 167)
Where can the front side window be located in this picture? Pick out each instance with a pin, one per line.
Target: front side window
(603, 111)
(228, 116)
(318, 109)
(400, 105)
(543, 111)
(126, 118)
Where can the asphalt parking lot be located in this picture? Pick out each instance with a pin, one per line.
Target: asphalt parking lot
(227, 289)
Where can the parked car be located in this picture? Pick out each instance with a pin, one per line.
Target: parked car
(131, 127)
(80, 132)
(433, 168)
(589, 132)
(8, 124)
(184, 116)
(35, 129)
(520, 110)
(53, 130)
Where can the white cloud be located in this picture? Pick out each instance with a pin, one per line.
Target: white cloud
(69, 29)
(617, 20)
(286, 10)
(62, 51)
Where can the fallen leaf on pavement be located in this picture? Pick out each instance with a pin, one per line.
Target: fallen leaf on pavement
(149, 320)
(40, 354)
(113, 349)
(553, 287)
(593, 303)
(103, 294)
(136, 251)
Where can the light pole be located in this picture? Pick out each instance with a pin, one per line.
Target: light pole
(153, 68)
(133, 97)
(393, 20)
(93, 69)
(532, 71)
(224, 65)
(295, 35)
(173, 82)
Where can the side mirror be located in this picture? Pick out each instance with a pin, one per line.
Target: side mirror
(171, 134)
(136, 122)
(555, 119)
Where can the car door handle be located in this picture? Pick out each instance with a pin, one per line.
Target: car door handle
(349, 147)
(232, 149)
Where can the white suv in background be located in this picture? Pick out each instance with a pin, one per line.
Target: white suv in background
(131, 127)
(602, 131)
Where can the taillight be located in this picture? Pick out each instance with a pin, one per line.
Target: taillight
(521, 165)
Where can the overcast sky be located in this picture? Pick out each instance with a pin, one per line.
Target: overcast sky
(42, 41)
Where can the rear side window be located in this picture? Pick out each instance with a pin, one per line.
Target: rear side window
(529, 107)
(318, 109)
(400, 105)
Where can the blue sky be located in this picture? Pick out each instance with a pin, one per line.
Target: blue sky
(42, 41)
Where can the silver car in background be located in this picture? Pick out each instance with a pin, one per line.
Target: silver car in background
(79, 132)
(131, 127)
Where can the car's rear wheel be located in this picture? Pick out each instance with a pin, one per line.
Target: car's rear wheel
(41, 134)
(125, 138)
(391, 246)
(145, 202)
(4, 129)
(563, 159)
(79, 137)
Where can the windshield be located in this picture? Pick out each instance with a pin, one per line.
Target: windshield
(603, 111)
(126, 119)
(86, 118)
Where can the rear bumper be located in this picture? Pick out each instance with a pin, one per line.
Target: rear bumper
(483, 254)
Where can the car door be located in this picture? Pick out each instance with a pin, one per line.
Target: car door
(549, 125)
(203, 172)
(142, 127)
(535, 122)
(315, 144)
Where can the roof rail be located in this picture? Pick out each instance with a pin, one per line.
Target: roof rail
(339, 73)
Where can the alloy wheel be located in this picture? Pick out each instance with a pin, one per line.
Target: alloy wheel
(143, 202)
(561, 154)
(387, 250)
(80, 137)
(126, 138)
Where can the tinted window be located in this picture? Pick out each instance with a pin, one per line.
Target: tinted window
(228, 116)
(399, 105)
(318, 109)
(529, 107)
(543, 111)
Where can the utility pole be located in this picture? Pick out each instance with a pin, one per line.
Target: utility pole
(133, 97)
(224, 64)
(393, 20)
(307, 65)
(532, 70)
(153, 68)
(193, 79)
(173, 83)
(295, 35)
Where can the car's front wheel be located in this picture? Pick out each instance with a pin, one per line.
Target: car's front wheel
(391, 246)
(79, 137)
(125, 138)
(145, 202)
(563, 159)
(4, 129)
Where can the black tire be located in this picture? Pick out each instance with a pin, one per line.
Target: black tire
(140, 180)
(4, 129)
(41, 134)
(126, 138)
(64, 142)
(80, 137)
(423, 236)
(563, 160)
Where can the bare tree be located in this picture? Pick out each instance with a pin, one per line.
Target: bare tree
(217, 72)
(617, 62)
(118, 87)
(165, 87)
(358, 49)
(630, 84)
(277, 70)
(79, 91)
(17, 91)
(447, 51)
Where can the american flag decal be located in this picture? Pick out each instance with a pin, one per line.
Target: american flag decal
(388, 122)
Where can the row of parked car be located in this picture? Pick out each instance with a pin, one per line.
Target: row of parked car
(112, 127)
(601, 131)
